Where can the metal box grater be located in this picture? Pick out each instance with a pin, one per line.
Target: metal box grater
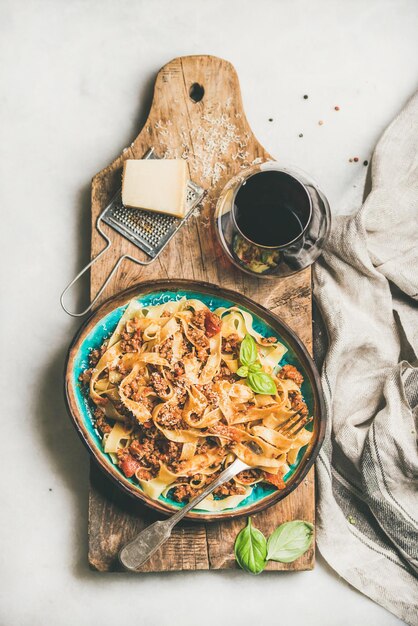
(149, 231)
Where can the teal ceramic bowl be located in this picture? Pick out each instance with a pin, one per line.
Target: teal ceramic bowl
(101, 325)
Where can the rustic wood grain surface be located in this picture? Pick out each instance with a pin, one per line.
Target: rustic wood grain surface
(214, 136)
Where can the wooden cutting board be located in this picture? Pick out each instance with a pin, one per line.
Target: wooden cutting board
(196, 114)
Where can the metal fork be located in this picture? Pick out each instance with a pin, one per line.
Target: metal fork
(290, 427)
(140, 549)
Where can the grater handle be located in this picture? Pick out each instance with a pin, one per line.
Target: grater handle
(108, 279)
(80, 274)
(105, 284)
(102, 288)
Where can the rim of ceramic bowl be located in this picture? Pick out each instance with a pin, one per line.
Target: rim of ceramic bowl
(284, 332)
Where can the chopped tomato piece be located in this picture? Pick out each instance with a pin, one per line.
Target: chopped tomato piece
(212, 324)
(275, 480)
(129, 465)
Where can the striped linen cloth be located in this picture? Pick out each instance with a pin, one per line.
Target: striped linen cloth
(366, 290)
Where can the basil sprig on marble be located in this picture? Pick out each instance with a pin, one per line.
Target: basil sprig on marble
(251, 549)
(251, 369)
(286, 544)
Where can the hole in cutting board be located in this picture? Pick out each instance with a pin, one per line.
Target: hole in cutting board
(196, 92)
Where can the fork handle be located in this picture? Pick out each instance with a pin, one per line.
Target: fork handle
(140, 549)
(232, 470)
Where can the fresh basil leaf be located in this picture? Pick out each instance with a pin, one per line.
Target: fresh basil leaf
(248, 351)
(261, 382)
(289, 541)
(242, 371)
(250, 549)
(255, 367)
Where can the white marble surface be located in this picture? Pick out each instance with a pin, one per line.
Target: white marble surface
(75, 86)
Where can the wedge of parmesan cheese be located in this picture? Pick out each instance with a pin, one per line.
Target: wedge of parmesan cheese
(155, 185)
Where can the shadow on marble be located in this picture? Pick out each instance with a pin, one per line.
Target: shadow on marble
(57, 435)
(368, 182)
(78, 297)
(63, 448)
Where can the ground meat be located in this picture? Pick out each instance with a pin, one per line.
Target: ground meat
(176, 372)
(290, 372)
(132, 325)
(202, 354)
(178, 369)
(180, 389)
(131, 342)
(231, 488)
(143, 396)
(137, 388)
(170, 451)
(136, 392)
(96, 354)
(147, 401)
(297, 403)
(183, 493)
(147, 430)
(198, 338)
(230, 345)
(225, 374)
(101, 422)
(85, 376)
(122, 369)
(94, 357)
(136, 448)
(248, 476)
(170, 416)
(204, 447)
(159, 384)
(144, 474)
(211, 395)
(145, 451)
(165, 349)
(222, 430)
(123, 410)
(198, 319)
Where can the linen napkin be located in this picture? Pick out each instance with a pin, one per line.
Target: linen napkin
(366, 287)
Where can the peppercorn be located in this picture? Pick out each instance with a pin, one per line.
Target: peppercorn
(300, 134)
(355, 159)
(365, 163)
(337, 108)
(305, 97)
(321, 122)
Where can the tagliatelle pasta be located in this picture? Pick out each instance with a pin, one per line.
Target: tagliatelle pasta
(174, 406)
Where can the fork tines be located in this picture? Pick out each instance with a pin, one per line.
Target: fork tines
(291, 427)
